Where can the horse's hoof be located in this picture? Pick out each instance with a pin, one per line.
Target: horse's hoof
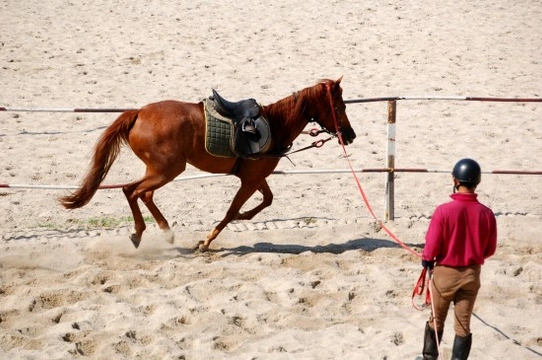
(202, 247)
(136, 240)
(169, 236)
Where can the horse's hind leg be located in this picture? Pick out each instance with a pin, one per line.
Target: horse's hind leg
(160, 219)
(144, 189)
(266, 201)
(140, 226)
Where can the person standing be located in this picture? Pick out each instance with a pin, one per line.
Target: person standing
(461, 235)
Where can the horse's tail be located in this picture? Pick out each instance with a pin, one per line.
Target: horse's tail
(106, 151)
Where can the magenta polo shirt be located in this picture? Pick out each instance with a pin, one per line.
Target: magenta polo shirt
(462, 232)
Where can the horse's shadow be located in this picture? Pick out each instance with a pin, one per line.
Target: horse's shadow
(365, 244)
(56, 132)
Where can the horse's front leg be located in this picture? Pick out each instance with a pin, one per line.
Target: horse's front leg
(243, 194)
(266, 201)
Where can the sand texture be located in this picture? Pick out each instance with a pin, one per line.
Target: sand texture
(313, 276)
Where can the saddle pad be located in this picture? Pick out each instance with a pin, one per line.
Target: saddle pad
(218, 132)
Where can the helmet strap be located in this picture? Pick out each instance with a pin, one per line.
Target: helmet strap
(456, 185)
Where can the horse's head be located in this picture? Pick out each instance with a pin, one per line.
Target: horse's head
(328, 109)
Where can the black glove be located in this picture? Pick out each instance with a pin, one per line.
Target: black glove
(428, 264)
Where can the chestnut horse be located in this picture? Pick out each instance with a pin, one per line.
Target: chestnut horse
(169, 134)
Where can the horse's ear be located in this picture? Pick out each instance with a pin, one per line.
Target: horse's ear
(337, 85)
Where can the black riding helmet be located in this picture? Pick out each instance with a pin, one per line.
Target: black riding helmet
(468, 172)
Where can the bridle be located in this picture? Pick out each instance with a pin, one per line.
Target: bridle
(323, 129)
(334, 115)
(334, 112)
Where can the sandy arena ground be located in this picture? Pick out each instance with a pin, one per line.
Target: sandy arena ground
(313, 276)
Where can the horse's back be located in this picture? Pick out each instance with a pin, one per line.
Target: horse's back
(167, 109)
(169, 115)
(166, 126)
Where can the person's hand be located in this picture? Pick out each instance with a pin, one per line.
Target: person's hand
(428, 264)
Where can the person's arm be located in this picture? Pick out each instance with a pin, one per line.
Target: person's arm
(491, 247)
(433, 237)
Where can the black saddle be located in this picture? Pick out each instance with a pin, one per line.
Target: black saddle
(247, 121)
(237, 111)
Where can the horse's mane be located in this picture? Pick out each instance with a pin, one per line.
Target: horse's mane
(292, 106)
(287, 117)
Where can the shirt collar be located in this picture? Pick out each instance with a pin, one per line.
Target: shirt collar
(464, 196)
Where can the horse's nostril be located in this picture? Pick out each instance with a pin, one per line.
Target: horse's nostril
(351, 135)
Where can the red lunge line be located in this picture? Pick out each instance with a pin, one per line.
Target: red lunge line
(421, 284)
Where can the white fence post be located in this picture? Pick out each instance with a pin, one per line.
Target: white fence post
(390, 162)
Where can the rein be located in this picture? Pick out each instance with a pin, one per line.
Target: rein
(317, 143)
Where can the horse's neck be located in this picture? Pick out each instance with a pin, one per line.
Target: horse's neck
(286, 121)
